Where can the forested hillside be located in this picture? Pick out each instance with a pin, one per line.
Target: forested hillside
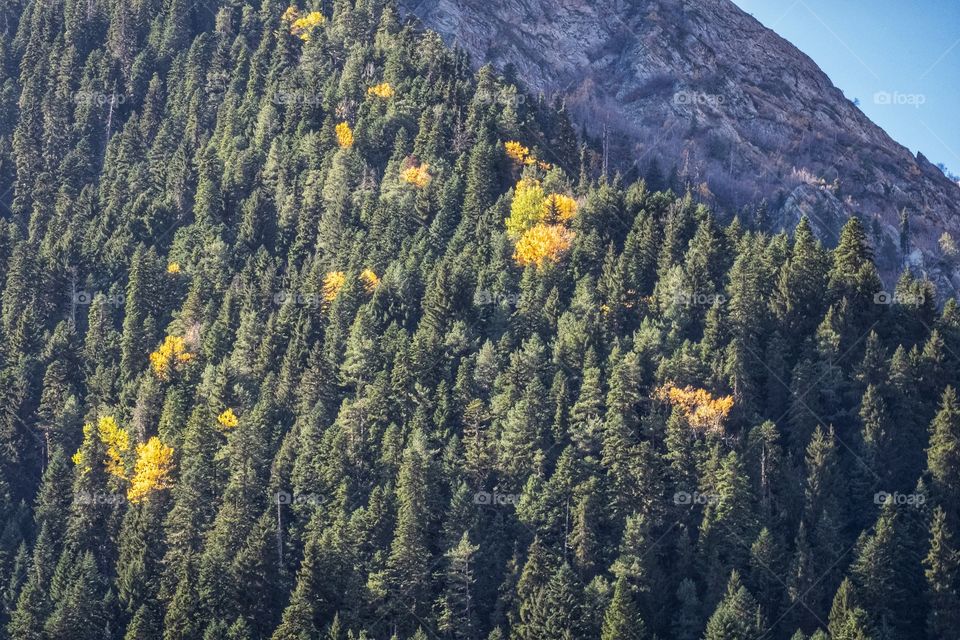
(309, 331)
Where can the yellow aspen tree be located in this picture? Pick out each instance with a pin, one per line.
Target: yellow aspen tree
(383, 90)
(518, 153)
(291, 14)
(541, 243)
(370, 280)
(332, 283)
(117, 441)
(702, 411)
(78, 458)
(114, 438)
(171, 353)
(228, 419)
(526, 210)
(173, 268)
(151, 472)
(418, 176)
(344, 135)
(558, 208)
(303, 26)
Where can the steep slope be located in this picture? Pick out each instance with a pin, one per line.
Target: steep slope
(704, 89)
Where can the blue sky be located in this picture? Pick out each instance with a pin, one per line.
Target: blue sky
(907, 49)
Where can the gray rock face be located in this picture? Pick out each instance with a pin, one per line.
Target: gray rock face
(704, 89)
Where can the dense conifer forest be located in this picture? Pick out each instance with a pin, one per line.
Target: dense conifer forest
(309, 330)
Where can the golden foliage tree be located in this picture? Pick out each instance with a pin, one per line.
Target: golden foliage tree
(302, 26)
(79, 458)
(538, 222)
(171, 354)
(228, 419)
(541, 243)
(531, 206)
(518, 153)
(332, 283)
(173, 268)
(151, 467)
(558, 208)
(417, 175)
(702, 411)
(526, 210)
(114, 438)
(344, 135)
(117, 442)
(523, 157)
(383, 90)
(151, 471)
(370, 280)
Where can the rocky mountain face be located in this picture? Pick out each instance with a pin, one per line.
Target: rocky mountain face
(700, 90)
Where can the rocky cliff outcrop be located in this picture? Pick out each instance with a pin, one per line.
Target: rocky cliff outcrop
(703, 90)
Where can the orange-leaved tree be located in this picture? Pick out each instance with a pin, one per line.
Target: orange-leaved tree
(702, 411)
(520, 154)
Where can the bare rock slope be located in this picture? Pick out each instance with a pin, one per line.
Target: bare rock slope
(702, 89)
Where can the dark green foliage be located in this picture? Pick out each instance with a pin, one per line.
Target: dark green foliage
(942, 566)
(447, 445)
(737, 616)
(620, 621)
